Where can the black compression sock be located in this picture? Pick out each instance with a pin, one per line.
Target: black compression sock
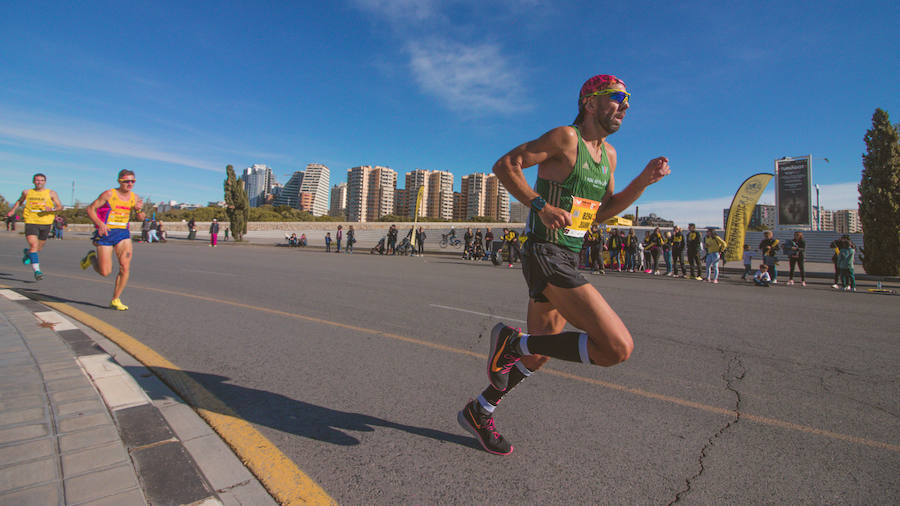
(569, 346)
(493, 396)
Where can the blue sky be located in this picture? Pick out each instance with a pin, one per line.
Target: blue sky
(178, 90)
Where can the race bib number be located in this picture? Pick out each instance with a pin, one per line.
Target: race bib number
(583, 213)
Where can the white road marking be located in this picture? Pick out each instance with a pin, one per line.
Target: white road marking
(55, 319)
(11, 295)
(503, 318)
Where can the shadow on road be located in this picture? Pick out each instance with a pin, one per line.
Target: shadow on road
(43, 297)
(285, 414)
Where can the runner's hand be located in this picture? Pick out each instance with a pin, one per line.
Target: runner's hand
(554, 217)
(657, 169)
(102, 230)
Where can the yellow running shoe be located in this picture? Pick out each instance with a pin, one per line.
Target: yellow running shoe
(86, 261)
(117, 304)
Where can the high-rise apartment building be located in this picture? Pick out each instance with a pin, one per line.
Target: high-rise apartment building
(290, 193)
(339, 201)
(518, 212)
(401, 202)
(316, 181)
(846, 221)
(459, 206)
(370, 192)
(827, 222)
(258, 181)
(437, 197)
(485, 195)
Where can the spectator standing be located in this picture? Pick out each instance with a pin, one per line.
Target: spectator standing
(796, 254)
(214, 233)
(351, 239)
(59, 225)
(656, 240)
(227, 231)
(162, 234)
(488, 242)
(192, 229)
(614, 246)
(648, 245)
(846, 252)
(392, 240)
(420, 240)
(468, 238)
(748, 261)
(762, 278)
(678, 251)
(512, 241)
(715, 246)
(631, 247)
(327, 242)
(769, 249)
(145, 230)
(338, 236)
(596, 249)
(667, 252)
(693, 249)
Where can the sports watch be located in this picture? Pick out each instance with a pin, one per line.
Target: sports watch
(538, 203)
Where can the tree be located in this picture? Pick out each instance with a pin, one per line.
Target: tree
(238, 210)
(4, 206)
(879, 197)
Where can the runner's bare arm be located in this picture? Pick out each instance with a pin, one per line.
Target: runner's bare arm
(92, 212)
(614, 204)
(56, 203)
(553, 146)
(139, 206)
(18, 203)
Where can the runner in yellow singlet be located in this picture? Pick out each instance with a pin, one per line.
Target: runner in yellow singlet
(40, 206)
(574, 189)
(111, 213)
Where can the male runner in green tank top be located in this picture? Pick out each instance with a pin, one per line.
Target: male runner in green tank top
(575, 188)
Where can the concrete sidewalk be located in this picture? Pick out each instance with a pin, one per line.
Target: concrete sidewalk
(81, 422)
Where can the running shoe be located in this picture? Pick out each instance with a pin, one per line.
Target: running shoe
(38, 275)
(699, 278)
(473, 419)
(117, 304)
(26, 259)
(835, 286)
(86, 261)
(502, 356)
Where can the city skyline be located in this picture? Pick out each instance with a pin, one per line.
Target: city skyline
(176, 94)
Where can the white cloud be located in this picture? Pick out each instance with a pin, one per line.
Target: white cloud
(472, 78)
(400, 10)
(70, 133)
(708, 212)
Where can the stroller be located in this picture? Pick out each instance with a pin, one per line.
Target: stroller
(405, 247)
(379, 248)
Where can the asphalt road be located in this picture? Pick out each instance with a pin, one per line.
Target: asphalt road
(355, 367)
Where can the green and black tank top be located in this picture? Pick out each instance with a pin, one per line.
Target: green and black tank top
(587, 182)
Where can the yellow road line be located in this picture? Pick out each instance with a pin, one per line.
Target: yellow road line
(281, 477)
(773, 422)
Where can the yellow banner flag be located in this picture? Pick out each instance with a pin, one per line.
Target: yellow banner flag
(419, 196)
(741, 211)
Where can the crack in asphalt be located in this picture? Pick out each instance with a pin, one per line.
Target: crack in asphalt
(734, 373)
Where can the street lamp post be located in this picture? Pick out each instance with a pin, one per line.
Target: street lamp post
(818, 211)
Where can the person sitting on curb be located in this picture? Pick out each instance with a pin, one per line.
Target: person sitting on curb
(761, 278)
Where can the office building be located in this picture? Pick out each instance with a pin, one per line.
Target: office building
(290, 193)
(258, 181)
(316, 181)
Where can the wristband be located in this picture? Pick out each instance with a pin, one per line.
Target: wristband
(538, 203)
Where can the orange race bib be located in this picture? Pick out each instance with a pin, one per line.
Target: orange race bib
(583, 213)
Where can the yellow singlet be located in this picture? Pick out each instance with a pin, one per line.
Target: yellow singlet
(35, 203)
(119, 211)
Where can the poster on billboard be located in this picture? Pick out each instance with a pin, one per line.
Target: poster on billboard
(793, 197)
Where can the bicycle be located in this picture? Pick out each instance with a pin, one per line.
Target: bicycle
(447, 239)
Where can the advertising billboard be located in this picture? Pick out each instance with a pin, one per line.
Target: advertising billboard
(793, 197)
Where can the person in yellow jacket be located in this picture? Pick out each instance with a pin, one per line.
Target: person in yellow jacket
(40, 206)
(715, 247)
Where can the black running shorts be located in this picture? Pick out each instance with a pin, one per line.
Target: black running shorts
(545, 263)
(41, 231)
